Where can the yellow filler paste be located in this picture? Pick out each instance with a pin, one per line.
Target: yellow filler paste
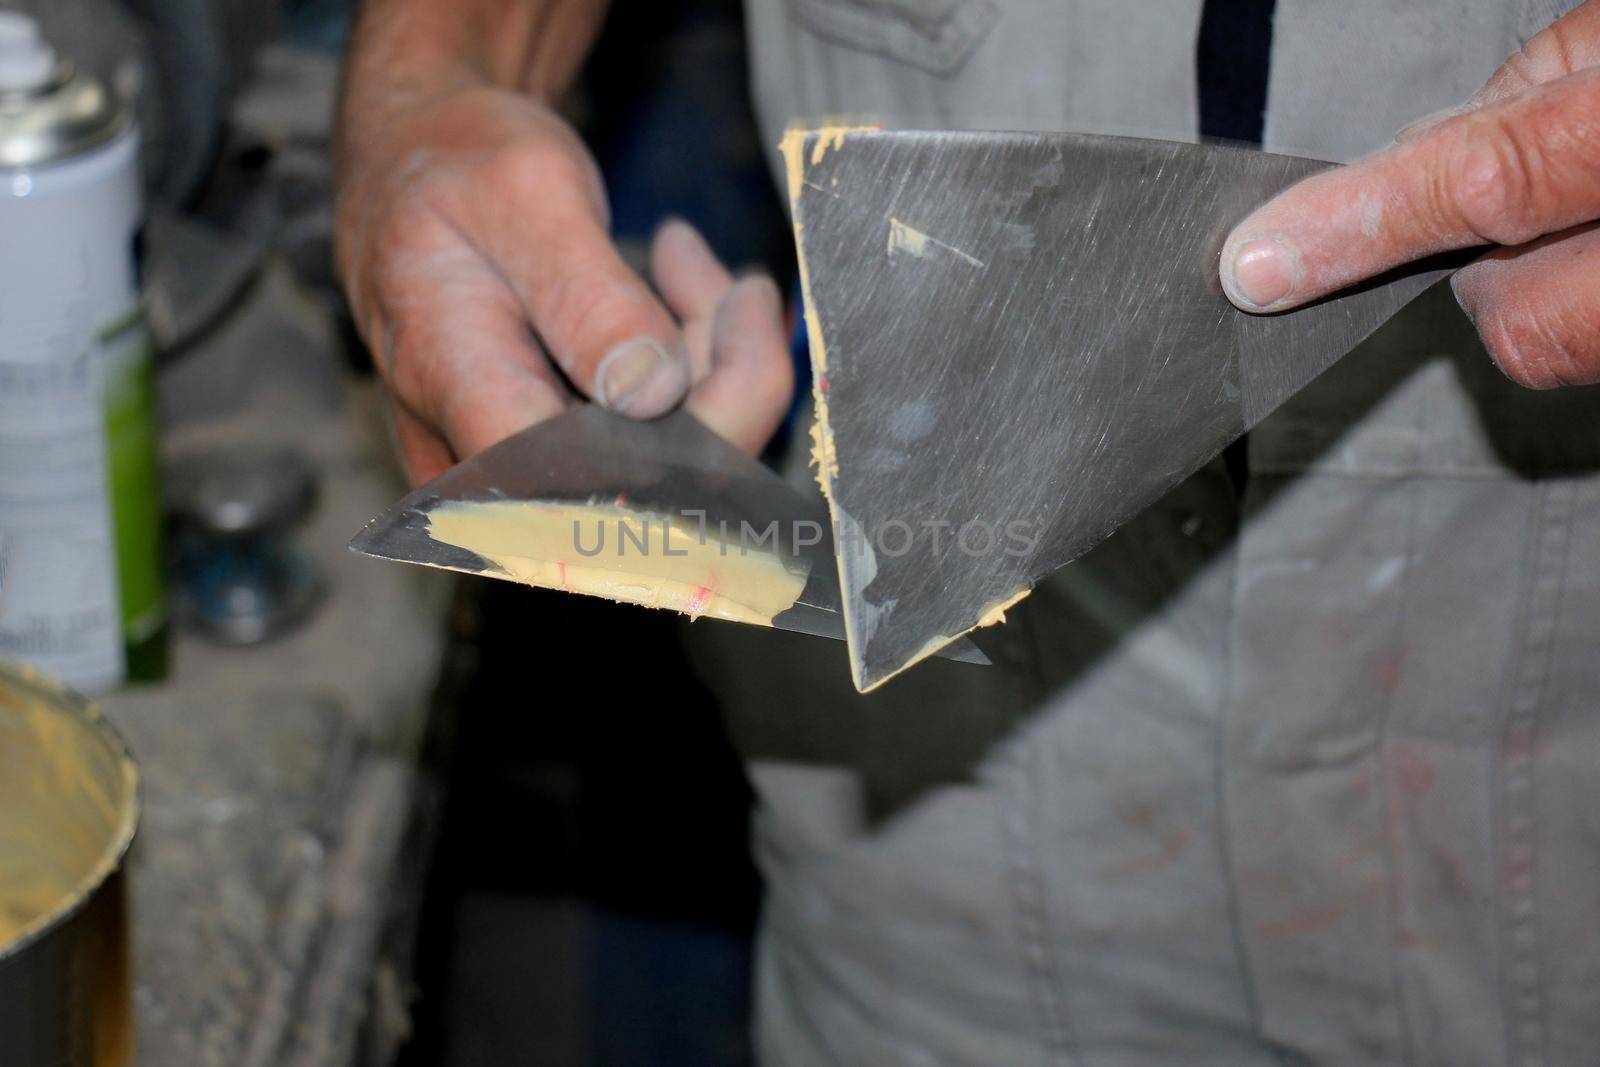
(627, 555)
(67, 806)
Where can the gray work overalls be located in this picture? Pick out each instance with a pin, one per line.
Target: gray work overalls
(1311, 776)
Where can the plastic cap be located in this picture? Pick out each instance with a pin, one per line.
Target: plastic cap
(27, 62)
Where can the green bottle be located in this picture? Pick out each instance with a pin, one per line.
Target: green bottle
(134, 465)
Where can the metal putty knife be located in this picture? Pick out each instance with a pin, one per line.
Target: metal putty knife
(1022, 338)
(671, 466)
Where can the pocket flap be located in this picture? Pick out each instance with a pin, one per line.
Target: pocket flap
(933, 35)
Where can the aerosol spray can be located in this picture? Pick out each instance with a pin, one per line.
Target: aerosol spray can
(80, 559)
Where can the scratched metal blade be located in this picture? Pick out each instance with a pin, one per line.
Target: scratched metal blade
(1026, 332)
(668, 466)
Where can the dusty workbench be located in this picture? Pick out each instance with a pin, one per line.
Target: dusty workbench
(284, 804)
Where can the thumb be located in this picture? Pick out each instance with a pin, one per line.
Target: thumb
(1502, 174)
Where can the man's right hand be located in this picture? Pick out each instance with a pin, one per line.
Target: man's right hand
(473, 242)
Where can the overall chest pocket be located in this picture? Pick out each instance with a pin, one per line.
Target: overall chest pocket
(933, 35)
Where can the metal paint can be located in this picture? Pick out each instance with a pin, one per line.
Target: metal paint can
(69, 806)
(80, 574)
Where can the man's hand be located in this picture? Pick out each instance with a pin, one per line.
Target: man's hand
(473, 242)
(1517, 166)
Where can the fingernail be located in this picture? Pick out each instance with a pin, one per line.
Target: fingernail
(638, 377)
(1264, 272)
(1427, 122)
(767, 287)
(674, 223)
(685, 236)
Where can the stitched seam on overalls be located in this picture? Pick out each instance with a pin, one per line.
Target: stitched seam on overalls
(1518, 866)
(1391, 860)
(1043, 970)
(1247, 983)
